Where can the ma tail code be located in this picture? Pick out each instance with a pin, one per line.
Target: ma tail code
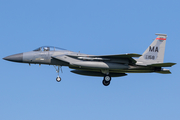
(153, 49)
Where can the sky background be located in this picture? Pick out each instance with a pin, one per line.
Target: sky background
(98, 27)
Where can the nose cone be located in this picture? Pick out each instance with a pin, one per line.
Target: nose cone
(15, 58)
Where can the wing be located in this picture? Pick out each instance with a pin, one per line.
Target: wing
(122, 58)
(121, 55)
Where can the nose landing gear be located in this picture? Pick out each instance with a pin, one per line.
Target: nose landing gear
(58, 79)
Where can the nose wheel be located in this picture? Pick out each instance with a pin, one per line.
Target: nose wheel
(58, 79)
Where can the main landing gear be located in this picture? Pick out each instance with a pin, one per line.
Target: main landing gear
(107, 78)
(106, 81)
(58, 79)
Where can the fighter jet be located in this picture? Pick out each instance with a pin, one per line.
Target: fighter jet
(105, 66)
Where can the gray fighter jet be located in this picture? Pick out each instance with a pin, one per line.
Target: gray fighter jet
(105, 66)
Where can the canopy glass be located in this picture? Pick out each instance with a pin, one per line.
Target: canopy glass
(48, 48)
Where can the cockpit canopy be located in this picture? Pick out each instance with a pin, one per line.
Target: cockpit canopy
(48, 48)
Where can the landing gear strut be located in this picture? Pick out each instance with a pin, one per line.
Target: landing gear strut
(58, 79)
(107, 78)
(106, 81)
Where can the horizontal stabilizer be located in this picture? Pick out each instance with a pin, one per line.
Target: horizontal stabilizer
(164, 71)
(162, 65)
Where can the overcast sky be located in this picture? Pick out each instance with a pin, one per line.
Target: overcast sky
(98, 27)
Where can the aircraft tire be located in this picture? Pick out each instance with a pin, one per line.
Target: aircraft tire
(105, 83)
(107, 78)
(58, 79)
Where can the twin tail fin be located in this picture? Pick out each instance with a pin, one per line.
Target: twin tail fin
(155, 52)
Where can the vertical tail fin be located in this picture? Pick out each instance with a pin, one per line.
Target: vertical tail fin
(155, 52)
